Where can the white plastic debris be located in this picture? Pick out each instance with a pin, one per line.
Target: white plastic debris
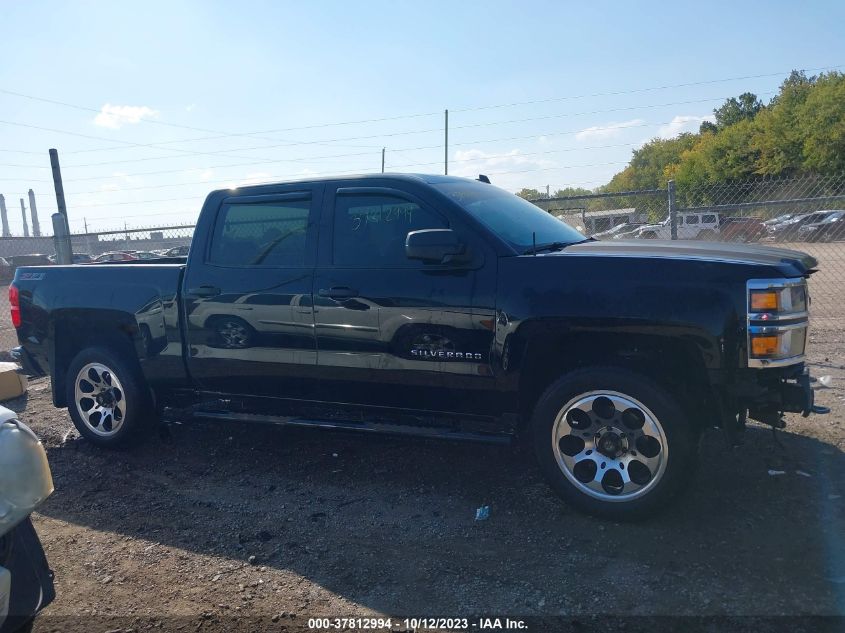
(482, 513)
(826, 380)
(774, 473)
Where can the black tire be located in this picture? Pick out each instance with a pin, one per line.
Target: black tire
(649, 235)
(681, 440)
(707, 235)
(132, 410)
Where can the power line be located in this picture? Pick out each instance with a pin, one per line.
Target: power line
(639, 90)
(374, 136)
(461, 160)
(399, 117)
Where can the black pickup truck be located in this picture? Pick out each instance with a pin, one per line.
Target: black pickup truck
(432, 306)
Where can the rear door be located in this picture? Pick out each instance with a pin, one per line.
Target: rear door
(248, 310)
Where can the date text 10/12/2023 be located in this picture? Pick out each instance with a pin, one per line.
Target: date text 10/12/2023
(416, 624)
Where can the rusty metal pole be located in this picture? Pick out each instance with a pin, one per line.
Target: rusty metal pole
(64, 248)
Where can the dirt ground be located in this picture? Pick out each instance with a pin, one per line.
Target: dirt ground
(222, 521)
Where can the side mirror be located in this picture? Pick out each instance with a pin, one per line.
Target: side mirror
(440, 246)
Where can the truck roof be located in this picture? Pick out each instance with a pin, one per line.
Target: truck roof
(418, 178)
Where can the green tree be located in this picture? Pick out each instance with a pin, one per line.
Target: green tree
(529, 194)
(736, 109)
(571, 191)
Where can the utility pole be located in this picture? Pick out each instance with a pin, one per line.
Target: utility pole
(382, 160)
(673, 211)
(23, 215)
(547, 191)
(36, 227)
(61, 226)
(85, 221)
(4, 217)
(446, 145)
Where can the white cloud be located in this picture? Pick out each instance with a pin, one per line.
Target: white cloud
(190, 108)
(115, 116)
(607, 130)
(683, 123)
(472, 162)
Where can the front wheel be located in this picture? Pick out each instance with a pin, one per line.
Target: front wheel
(613, 443)
(107, 398)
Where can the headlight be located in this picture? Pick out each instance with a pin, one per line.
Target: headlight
(777, 321)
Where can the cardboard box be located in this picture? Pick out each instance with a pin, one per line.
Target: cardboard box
(12, 384)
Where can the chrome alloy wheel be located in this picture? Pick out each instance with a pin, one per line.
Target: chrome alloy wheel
(609, 445)
(100, 399)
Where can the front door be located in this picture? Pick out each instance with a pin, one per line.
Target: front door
(392, 331)
(247, 296)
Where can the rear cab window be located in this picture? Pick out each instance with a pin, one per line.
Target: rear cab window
(257, 233)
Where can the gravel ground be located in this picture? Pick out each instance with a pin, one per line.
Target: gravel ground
(221, 521)
(342, 525)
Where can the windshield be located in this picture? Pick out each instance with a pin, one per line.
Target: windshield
(516, 221)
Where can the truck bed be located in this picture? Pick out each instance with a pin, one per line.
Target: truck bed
(60, 303)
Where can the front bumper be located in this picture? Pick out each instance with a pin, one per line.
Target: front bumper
(773, 394)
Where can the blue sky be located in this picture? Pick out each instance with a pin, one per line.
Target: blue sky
(264, 85)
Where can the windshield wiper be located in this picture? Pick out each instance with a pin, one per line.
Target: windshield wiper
(553, 246)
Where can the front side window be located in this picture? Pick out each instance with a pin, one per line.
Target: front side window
(261, 234)
(693, 219)
(516, 221)
(370, 230)
(708, 219)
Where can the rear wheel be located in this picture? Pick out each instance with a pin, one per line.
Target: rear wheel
(612, 443)
(707, 235)
(107, 398)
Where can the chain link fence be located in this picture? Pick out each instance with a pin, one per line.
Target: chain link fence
(806, 214)
(106, 246)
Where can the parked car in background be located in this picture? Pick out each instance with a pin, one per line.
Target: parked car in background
(7, 271)
(177, 251)
(82, 258)
(830, 229)
(78, 258)
(115, 256)
(789, 230)
(144, 254)
(28, 260)
(610, 234)
(691, 226)
(779, 219)
(741, 229)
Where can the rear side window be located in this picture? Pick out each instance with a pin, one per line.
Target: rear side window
(370, 230)
(708, 219)
(692, 219)
(261, 234)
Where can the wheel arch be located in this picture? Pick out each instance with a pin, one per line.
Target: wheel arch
(673, 362)
(72, 331)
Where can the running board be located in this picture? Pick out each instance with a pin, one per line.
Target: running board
(371, 427)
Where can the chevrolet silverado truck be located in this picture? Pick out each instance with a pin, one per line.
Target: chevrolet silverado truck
(432, 306)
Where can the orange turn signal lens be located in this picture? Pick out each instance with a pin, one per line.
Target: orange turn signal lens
(764, 300)
(764, 345)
